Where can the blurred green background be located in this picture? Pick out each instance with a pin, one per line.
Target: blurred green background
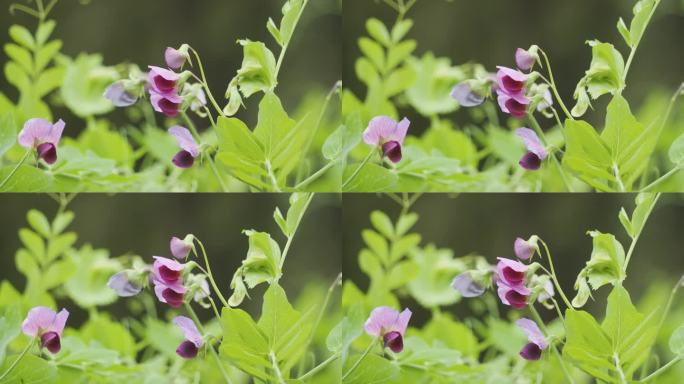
(143, 224)
(489, 31)
(139, 31)
(487, 224)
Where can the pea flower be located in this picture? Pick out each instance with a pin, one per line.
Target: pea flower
(189, 348)
(466, 97)
(510, 271)
(511, 81)
(43, 322)
(180, 248)
(124, 284)
(536, 153)
(172, 295)
(384, 132)
(167, 277)
(510, 281)
(514, 296)
(176, 58)
(525, 249)
(119, 95)
(162, 81)
(514, 105)
(390, 324)
(168, 104)
(537, 343)
(190, 150)
(525, 59)
(43, 136)
(465, 284)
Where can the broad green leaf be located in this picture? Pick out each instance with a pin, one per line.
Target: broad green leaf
(117, 148)
(371, 178)
(435, 79)
(405, 223)
(262, 263)
(382, 224)
(373, 369)
(343, 335)
(257, 73)
(400, 29)
(586, 154)
(606, 70)
(88, 287)
(401, 274)
(436, 269)
(606, 265)
(10, 327)
(39, 222)
(84, 84)
(45, 31)
(292, 9)
(642, 12)
(676, 152)
(273, 125)
(57, 273)
(22, 36)
(340, 142)
(378, 31)
(397, 54)
(109, 334)
(677, 341)
(587, 345)
(31, 369)
(47, 53)
(26, 179)
(455, 335)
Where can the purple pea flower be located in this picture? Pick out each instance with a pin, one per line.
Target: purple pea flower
(162, 81)
(514, 296)
(465, 284)
(537, 342)
(524, 59)
(466, 97)
(510, 271)
(384, 132)
(124, 286)
(515, 105)
(43, 136)
(390, 324)
(180, 248)
(167, 271)
(536, 153)
(168, 104)
(190, 150)
(189, 348)
(43, 322)
(525, 249)
(176, 58)
(119, 95)
(510, 81)
(510, 281)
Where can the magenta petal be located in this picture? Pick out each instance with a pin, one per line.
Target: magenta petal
(530, 161)
(382, 129)
(394, 341)
(38, 318)
(183, 159)
(187, 350)
(179, 248)
(516, 299)
(510, 81)
(162, 80)
(51, 342)
(189, 329)
(534, 334)
(185, 140)
(392, 150)
(47, 152)
(524, 60)
(385, 319)
(523, 249)
(167, 271)
(174, 58)
(531, 351)
(532, 142)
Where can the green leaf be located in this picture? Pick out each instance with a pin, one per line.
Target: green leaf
(244, 344)
(30, 370)
(371, 178)
(405, 223)
(257, 73)
(240, 151)
(644, 204)
(21, 56)
(455, 335)
(586, 154)
(262, 263)
(34, 244)
(26, 179)
(676, 152)
(397, 54)
(587, 345)
(378, 31)
(22, 36)
(377, 244)
(400, 29)
(273, 124)
(642, 12)
(45, 31)
(291, 12)
(606, 70)
(341, 142)
(8, 132)
(435, 79)
(382, 223)
(677, 341)
(88, 287)
(47, 53)
(10, 327)
(109, 334)
(606, 265)
(84, 84)
(57, 273)
(39, 222)
(436, 269)
(624, 31)
(373, 369)
(374, 52)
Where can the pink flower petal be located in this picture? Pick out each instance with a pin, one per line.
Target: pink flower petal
(185, 140)
(189, 330)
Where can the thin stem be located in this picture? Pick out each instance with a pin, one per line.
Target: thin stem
(316, 175)
(662, 369)
(271, 176)
(279, 63)
(554, 88)
(363, 356)
(210, 160)
(25, 9)
(553, 275)
(542, 136)
(214, 308)
(319, 367)
(539, 320)
(662, 178)
(21, 356)
(635, 45)
(321, 312)
(321, 115)
(205, 84)
(356, 172)
(211, 276)
(15, 169)
(276, 368)
(294, 231)
(636, 236)
(211, 347)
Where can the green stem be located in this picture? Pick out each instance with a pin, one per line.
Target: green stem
(539, 320)
(663, 178)
(662, 369)
(636, 236)
(210, 160)
(363, 356)
(635, 45)
(542, 136)
(321, 115)
(21, 356)
(16, 168)
(276, 368)
(271, 176)
(554, 88)
(294, 231)
(319, 367)
(356, 172)
(25, 9)
(211, 347)
(205, 85)
(211, 276)
(316, 175)
(321, 312)
(279, 63)
(553, 275)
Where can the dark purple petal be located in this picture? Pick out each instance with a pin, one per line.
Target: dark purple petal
(47, 152)
(173, 298)
(392, 149)
(169, 276)
(531, 351)
(530, 161)
(512, 277)
(187, 350)
(515, 108)
(183, 159)
(517, 300)
(51, 342)
(394, 341)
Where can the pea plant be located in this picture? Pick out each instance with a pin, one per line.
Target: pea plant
(286, 342)
(382, 342)
(179, 136)
(543, 144)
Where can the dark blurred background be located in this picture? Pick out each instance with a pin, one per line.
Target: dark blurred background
(143, 224)
(489, 31)
(487, 224)
(138, 31)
